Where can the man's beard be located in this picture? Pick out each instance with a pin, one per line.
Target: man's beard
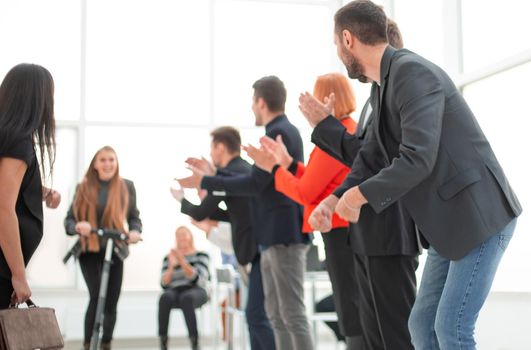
(354, 68)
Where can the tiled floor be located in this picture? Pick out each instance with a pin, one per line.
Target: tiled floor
(181, 344)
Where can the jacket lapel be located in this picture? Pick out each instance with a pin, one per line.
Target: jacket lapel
(377, 95)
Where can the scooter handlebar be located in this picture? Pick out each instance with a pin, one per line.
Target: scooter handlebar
(110, 233)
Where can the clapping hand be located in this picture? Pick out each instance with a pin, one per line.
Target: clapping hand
(205, 225)
(314, 110)
(278, 149)
(202, 165)
(192, 181)
(262, 158)
(172, 258)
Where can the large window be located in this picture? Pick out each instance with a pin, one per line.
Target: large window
(501, 107)
(153, 77)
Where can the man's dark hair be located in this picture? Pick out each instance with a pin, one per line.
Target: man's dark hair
(364, 19)
(228, 136)
(272, 90)
(393, 34)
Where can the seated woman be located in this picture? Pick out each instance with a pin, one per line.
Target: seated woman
(184, 277)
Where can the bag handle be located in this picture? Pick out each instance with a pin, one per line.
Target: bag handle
(28, 302)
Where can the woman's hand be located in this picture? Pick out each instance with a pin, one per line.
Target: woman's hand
(21, 289)
(51, 196)
(172, 258)
(134, 237)
(83, 228)
(278, 150)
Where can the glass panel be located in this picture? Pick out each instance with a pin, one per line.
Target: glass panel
(153, 66)
(505, 117)
(45, 33)
(271, 44)
(422, 27)
(492, 32)
(55, 243)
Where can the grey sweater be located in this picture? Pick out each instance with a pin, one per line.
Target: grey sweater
(199, 261)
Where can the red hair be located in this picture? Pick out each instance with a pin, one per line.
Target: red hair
(340, 86)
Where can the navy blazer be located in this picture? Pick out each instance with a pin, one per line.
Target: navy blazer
(238, 213)
(437, 161)
(276, 218)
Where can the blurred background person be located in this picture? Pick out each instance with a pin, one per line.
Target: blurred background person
(103, 199)
(185, 273)
(225, 153)
(26, 122)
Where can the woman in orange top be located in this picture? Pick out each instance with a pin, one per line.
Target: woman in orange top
(309, 186)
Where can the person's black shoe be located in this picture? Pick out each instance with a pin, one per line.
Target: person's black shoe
(163, 342)
(194, 341)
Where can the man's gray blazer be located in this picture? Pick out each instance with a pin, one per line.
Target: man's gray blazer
(438, 162)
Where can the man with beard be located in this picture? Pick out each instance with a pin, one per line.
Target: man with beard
(437, 164)
(384, 246)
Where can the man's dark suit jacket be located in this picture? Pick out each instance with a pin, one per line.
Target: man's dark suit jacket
(393, 231)
(438, 162)
(238, 213)
(276, 218)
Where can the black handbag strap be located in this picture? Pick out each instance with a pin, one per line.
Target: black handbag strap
(28, 302)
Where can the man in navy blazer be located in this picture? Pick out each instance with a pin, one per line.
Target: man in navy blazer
(437, 164)
(277, 221)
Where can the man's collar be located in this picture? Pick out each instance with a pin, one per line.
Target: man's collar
(385, 65)
(275, 120)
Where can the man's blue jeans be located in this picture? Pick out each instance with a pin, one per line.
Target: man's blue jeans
(452, 293)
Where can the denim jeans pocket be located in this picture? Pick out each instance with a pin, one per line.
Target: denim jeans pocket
(504, 237)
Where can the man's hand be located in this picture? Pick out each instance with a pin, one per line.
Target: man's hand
(205, 225)
(177, 193)
(349, 206)
(51, 196)
(314, 110)
(278, 149)
(262, 158)
(201, 164)
(134, 237)
(321, 217)
(193, 181)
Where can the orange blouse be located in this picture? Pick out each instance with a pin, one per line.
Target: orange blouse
(315, 181)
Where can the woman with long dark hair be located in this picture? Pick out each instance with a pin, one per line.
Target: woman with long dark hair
(26, 122)
(103, 199)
